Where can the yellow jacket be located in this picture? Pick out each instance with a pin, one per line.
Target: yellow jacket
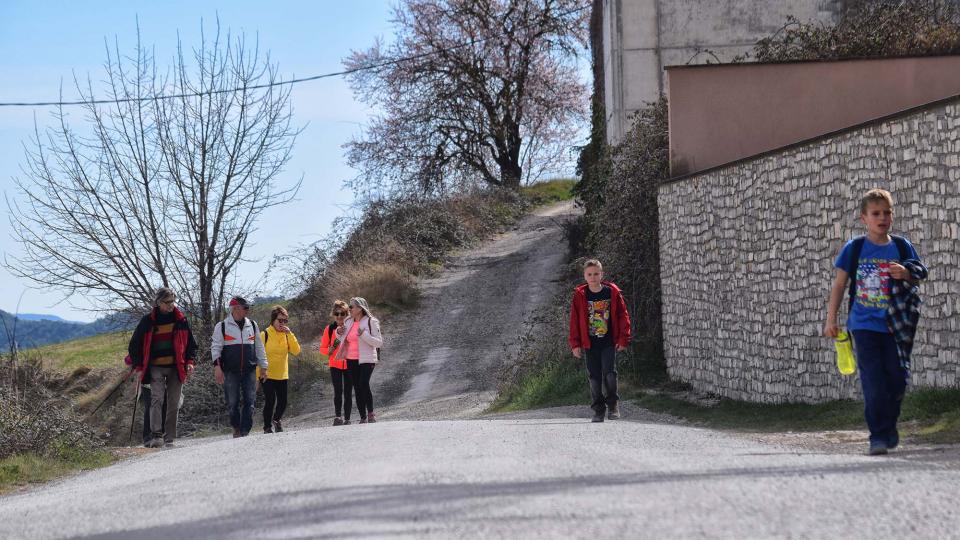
(279, 346)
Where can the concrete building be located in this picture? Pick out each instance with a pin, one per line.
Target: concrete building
(641, 37)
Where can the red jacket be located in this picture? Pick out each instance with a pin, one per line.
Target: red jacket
(619, 318)
(184, 346)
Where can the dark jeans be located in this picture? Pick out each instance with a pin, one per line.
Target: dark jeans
(360, 375)
(274, 393)
(145, 398)
(342, 388)
(235, 386)
(602, 371)
(883, 383)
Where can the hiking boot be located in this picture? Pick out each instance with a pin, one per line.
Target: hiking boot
(614, 412)
(371, 418)
(363, 419)
(277, 426)
(346, 421)
(236, 433)
(168, 444)
(597, 417)
(338, 421)
(156, 442)
(878, 448)
(267, 429)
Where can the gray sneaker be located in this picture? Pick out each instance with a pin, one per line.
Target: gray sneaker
(878, 448)
(614, 412)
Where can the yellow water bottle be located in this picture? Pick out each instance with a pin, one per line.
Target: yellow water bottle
(845, 362)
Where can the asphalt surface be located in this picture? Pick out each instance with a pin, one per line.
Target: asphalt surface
(434, 467)
(505, 478)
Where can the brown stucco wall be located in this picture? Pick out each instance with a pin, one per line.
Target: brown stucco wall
(722, 113)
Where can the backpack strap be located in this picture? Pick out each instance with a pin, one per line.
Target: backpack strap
(855, 248)
(902, 250)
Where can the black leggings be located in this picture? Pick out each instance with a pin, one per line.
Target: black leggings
(342, 388)
(274, 392)
(360, 374)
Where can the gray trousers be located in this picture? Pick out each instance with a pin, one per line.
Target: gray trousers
(164, 383)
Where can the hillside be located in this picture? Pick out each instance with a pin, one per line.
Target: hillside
(31, 331)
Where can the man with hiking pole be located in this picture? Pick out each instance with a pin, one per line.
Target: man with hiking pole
(164, 351)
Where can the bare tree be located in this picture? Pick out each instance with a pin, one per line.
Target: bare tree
(470, 89)
(163, 185)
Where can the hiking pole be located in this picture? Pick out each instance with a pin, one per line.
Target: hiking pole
(133, 418)
(112, 392)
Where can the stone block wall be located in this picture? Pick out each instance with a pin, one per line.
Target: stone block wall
(747, 257)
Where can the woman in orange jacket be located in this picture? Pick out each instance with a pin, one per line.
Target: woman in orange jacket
(342, 384)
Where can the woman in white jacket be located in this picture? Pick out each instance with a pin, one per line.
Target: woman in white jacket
(361, 348)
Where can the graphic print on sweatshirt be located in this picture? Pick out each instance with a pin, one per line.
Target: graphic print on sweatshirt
(873, 283)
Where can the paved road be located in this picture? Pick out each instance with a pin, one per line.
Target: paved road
(506, 478)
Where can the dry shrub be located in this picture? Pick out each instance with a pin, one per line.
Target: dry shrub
(868, 29)
(395, 241)
(34, 419)
(389, 285)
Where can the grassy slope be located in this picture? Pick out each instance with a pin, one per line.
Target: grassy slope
(25, 469)
(103, 350)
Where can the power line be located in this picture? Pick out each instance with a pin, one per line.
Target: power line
(268, 85)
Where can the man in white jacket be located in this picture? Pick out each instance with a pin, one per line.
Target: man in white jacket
(237, 349)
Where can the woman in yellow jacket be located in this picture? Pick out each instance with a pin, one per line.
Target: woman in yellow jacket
(280, 343)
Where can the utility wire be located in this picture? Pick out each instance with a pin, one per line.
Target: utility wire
(268, 85)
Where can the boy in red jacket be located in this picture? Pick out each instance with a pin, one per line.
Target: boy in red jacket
(599, 327)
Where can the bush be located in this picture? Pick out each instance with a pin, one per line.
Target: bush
(35, 420)
(867, 30)
(396, 241)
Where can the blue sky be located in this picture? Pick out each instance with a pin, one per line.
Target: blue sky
(44, 42)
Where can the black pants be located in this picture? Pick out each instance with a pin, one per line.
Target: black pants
(602, 370)
(360, 374)
(342, 388)
(274, 393)
(145, 398)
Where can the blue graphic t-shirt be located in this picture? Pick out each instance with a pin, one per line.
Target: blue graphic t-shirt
(873, 282)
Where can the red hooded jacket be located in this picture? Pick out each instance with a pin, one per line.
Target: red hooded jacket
(619, 318)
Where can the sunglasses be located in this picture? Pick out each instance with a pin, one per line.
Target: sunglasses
(339, 313)
(282, 321)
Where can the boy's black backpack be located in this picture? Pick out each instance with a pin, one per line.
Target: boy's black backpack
(857, 246)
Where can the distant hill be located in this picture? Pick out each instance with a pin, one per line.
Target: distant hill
(36, 330)
(40, 317)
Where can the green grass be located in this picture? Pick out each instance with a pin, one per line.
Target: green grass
(557, 380)
(102, 350)
(928, 415)
(24, 469)
(550, 191)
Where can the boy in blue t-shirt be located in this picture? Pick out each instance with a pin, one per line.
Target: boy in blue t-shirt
(879, 263)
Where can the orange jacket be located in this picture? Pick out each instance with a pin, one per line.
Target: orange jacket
(327, 349)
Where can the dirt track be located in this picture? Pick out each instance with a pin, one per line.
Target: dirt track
(440, 360)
